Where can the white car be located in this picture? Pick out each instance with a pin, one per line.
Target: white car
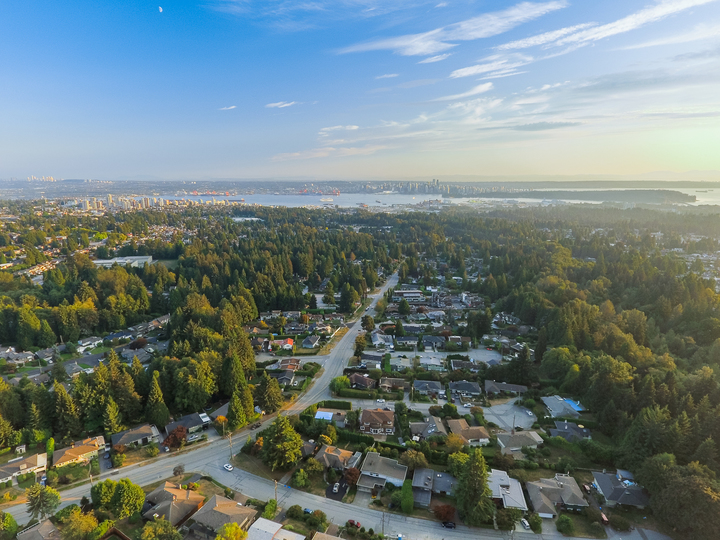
(336, 487)
(381, 401)
(228, 467)
(468, 405)
(525, 524)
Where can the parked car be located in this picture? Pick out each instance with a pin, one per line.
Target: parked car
(604, 519)
(307, 511)
(468, 405)
(193, 438)
(525, 524)
(448, 524)
(336, 487)
(353, 523)
(381, 401)
(586, 488)
(228, 467)
(107, 455)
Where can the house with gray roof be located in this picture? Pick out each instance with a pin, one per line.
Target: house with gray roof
(465, 388)
(377, 470)
(494, 387)
(137, 436)
(620, 488)
(422, 485)
(550, 495)
(560, 407)
(44, 530)
(506, 492)
(433, 425)
(511, 443)
(219, 511)
(427, 388)
(569, 431)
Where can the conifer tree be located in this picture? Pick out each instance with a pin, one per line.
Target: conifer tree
(46, 337)
(236, 413)
(111, 418)
(156, 412)
(67, 416)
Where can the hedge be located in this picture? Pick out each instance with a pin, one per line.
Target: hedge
(350, 436)
(408, 502)
(336, 404)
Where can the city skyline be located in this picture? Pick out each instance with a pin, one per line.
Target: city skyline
(358, 88)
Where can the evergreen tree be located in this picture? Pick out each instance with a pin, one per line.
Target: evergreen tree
(269, 396)
(282, 446)
(246, 398)
(111, 419)
(42, 501)
(233, 375)
(399, 329)
(46, 337)
(404, 308)
(156, 412)
(472, 492)
(34, 419)
(67, 415)
(236, 413)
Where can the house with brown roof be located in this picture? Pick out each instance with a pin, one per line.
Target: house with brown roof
(79, 452)
(392, 383)
(23, 465)
(472, 435)
(363, 382)
(219, 511)
(172, 503)
(377, 422)
(337, 458)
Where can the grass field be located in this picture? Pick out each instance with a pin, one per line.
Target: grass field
(254, 465)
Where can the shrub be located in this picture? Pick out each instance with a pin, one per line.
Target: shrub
(63, 514)
(619, 523)
(117, 460)
(152, 450)
(295, 512)
(565, 525)
(407, 497)
(135, 518)
(593, 514)
(270, 509)
(229, 493)
(535, 522)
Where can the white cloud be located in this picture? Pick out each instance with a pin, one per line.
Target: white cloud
(324, 131)
(648, 15)
(442, 4)
(542, 39)
(280, 104)
(387, 76)
(227, 108)
(479, 89)
(330, 151)
(437, 58)
(496, 64)
(700, 32)
(483, 26)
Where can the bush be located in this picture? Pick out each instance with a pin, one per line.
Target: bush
(619, 523)
(135, 518)
(63, 514)
(593, 514)
(229, 493)
(270, 509)
(152, 450)
(535, 522)
(565, 525)
(506, 518)
(295, 512)
(117, 460)
(407, 497)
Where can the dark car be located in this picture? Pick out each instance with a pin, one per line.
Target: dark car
(448, 524)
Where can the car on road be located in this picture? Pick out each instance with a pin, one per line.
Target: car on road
(529, 413)
(228, 467)
(380, 401)
(336, 487)
(307, 511)
(448, 524)
(525, 524)
(353, 523)
(468, 405)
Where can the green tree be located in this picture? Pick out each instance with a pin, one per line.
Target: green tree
(233, 375)
(78, 526)
(507, 517)
(156, 412)
(160, 529)
(236, 413)
(111, 418)
(231, 531)
(414, 459)
(50, 449)
(407, 500)
(269, 394)
(404, 308)
(67, 414)
(42, 501)
(399, 329)
(46, 337)
(339, 383)
(282, 445)
(472, 492)
(368, 323)
(28, 328)
(8, 525)
(565, 525)
(359, 344)
(34, 420)
(300, 478)
(456, 463)
(127, 499)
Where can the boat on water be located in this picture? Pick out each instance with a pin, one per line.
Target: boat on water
(378, 201)
(326, 199)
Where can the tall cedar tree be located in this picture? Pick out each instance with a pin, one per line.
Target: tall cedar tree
(472, 492)
(236, 413)
(282, 446)
(156, 412)
(269, 394)
(111, 419)
(67, 416)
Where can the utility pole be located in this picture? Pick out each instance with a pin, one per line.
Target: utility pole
(383, 523)
(276, 491)
(230, 439)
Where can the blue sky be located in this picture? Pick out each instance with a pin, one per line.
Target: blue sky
(358, 88)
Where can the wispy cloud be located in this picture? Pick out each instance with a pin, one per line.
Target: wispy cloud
(651, 14)
(439, 40)
(330, 151)
(700, 32)
(542, 39)
(227, 108)
(387, 76)
(479, 89)
(281, 104)
(437, 58)
(495, 64)
(326, 130)
(544, 126)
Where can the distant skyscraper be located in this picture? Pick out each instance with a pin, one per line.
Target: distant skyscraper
(109, 201)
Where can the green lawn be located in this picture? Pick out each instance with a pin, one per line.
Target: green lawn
(100, 350)
(583, 527)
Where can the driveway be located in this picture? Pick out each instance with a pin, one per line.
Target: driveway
(340, 494)
(363, 499)
(508, 415)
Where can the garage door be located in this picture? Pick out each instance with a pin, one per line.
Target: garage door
(546, 516)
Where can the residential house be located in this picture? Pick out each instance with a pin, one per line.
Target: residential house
(422, 484)
(437, 342)
(311, 342)
(381, 340)
(285, 377)
(398, 363)
(388, 384)
(73, 370)
(362, 382)
(79, 452)
(560, 407)
(44, 530)
(456, 365)
(549, 495)
(308, 449)
(290, 363)
(89, 343)
(443, 483)
(432, 425)
(332, 415)
(407, 341)
(474, 436)
(432, 364)
(377, 471)
(284, 344)
(506, 492)
(414, 329)
(428, 388)
(23, 465)
(193, 422)
(374, 357)
(219, 511)
(143, 355)
(511, 443)
(570, 431)
(465, 388)
(620, 488)
(493, 387)
(377, 422)
(172, 503)
(337, 458)
(49, 353)
(137, 436)
(123, 334)
(264, 529)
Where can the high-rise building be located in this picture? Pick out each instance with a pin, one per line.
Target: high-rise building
(109, 201)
